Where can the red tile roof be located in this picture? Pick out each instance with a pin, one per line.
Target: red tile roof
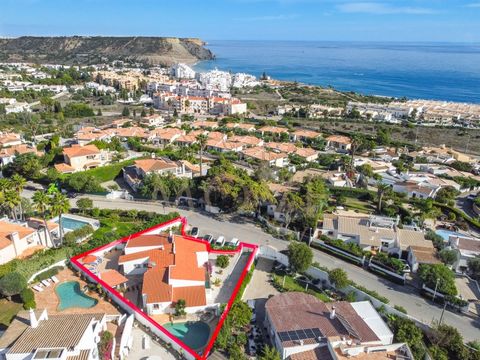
(78, 150)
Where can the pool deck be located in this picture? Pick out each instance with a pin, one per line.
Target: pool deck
(48, 299)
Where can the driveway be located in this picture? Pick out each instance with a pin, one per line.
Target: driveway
(469, 290)
(260, 286)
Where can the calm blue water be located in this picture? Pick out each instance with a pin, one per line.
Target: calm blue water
(427, 70)
(71, 296)
(194, 334)
(72, 224)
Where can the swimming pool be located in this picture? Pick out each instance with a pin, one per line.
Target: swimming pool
(194, 334)
(445, 234)
(69, 223)
(71, 296)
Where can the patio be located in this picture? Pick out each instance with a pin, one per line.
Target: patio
(48, 299)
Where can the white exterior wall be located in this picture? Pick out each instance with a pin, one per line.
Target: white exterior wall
(202, 258)
(132, 250)
(184, 283)
(129, 267)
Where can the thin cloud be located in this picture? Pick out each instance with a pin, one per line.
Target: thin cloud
(268, 17)
(382, 9)
(473, 5)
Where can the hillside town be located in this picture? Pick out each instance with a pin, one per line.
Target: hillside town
(159, 212)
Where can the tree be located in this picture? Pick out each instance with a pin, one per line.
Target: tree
(18, 182)
(450, 340)
(27, 165)
(300, 256)
(291, 206)
(339, 278)
(84, 204)
(41, 204)
(126, 111)
(59, 204)
(382, 189)
(448, 257)
(154, 184)
(433, 274)
(315, 195)
(269, 353)
(180, 306)
(222, 261)
(474, 266)
(407, 331)
(202, 141)
(143, 113)
(12, 284)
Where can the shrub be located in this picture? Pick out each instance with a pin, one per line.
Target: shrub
(28, 299)
(105, 345)
(438, 273)
(71, 238)
(12, 284)
(222, 261)
(391, 263)
(48, 273)
(400, 308)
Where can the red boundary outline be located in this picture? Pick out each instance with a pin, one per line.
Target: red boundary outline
(183, 220)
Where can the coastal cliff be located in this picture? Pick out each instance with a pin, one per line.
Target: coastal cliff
(85, 50)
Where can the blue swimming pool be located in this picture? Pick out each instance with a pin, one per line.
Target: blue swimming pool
(69, 223)
(194, 334)
(71, 296)
(445, 234)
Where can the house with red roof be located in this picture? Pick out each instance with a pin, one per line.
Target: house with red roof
(172, 268)
(83, 157)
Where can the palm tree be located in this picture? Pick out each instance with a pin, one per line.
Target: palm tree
(59, 204)
(18, 182)
(153, 184)
(41, 204)
(11, 199)
(202, 141)
(382, 189)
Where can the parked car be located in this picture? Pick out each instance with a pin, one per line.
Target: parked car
(208, 238)
(234, 242)
(220, 241)
(472, 196)
(194, 232)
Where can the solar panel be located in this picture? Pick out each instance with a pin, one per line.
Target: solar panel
(301, 334)
(293, 335)
(309, 333)
(317, 332)
(284, 336)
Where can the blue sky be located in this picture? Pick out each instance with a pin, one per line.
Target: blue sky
(346, 20)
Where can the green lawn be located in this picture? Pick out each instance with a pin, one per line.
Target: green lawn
(109, 172)
(355, 204)
(292, 285)
(9, 310)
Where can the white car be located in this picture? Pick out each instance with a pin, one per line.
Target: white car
(234, 242)
(220, 241)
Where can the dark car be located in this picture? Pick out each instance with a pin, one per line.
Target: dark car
(194, 231)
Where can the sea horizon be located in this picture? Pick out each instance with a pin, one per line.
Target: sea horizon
(443, 71)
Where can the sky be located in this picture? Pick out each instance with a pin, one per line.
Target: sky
(325, 20)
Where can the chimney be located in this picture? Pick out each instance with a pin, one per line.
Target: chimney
(33, 319)
(14, 238)
(332, 313)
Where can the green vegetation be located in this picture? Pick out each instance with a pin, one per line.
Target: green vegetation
(28, 299)
(12, 284)
(180, 306)
(71, 238)
(389, 262)
(474, 267)
(48, 274)
(339, 278)
(222, 261)
(348, 247)
(105, 346)
(77, 110)
(408, 332)
(9, 310)
(448, 257)
(286, 283)
(431, 275)
(300, 256)
(269, 353)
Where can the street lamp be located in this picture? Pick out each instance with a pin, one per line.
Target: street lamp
(435, 292)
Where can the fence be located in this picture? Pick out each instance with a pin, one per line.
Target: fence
(341, 253)
(278, 229)
(400, 279)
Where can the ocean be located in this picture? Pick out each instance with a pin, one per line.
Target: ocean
(438, 71)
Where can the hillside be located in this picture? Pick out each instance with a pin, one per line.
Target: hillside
(85, 50)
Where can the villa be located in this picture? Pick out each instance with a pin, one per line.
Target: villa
(467, 248)
(7, 155)
(19, 239)
(80, 157)
(304, 135)
(277, 159)
(173, 269)
(339, 143)
(135, 173)
(303, 327)
(38, 335)
(10, 139)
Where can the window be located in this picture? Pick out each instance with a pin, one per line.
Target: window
(156, 306)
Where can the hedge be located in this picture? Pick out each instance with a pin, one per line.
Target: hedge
(48, 273)
(28, 299)
(78, 234)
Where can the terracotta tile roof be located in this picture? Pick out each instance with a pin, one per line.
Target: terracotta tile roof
(310, 134)
(306, 152)
(78, 150)
(319, 353)
(284, 147)
(113, 277)
(6, 138)
(204, 124)
(64, 168)
(425, 255)
(83, 355)
(19, 149)
(7, 228)
(152, 165)
(193, 295)
(273, 129)
(156, 287)
(248, 140)
(262, 154)
(216, 135)
(339, 139)
(469, 244)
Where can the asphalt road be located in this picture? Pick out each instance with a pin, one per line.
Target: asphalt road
(247, 231)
